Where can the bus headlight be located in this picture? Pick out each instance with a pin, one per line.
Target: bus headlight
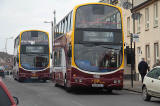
(119, 81)
(76, 80)
(115, 81)
(80, 80)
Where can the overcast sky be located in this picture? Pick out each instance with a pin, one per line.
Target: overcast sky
(19, 15)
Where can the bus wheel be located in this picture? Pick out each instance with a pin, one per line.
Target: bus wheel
(44, 80)
(14, 77)
(68, 89)
(109, 90)
(56, 85)
(21, 80)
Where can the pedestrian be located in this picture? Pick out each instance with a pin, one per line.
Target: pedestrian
(143, 67)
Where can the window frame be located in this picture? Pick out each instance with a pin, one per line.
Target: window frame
(128, 26)
(147, 18)
(139, 25)
(155, 14)
(147, 49)
(156, 52)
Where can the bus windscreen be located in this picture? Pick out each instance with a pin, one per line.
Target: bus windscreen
(32, 37)
(98, 16)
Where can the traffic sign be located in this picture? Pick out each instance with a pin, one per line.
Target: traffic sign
(135, 37)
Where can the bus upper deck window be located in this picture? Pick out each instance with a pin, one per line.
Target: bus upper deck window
(34, 34)
(98, 9)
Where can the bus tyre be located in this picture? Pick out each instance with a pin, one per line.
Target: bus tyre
(21, 80)
(109, 90)
(44, 80)
(145, 95)
(56, 85)
(68, 89)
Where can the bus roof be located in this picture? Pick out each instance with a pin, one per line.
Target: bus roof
(33, 30)
(77, 6)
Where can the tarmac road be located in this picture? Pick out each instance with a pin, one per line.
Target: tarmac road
(37, 93)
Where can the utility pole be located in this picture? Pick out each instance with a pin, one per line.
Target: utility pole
(133, 51)
(6, 43)
(53, 35)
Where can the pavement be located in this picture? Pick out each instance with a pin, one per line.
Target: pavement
(137, 86)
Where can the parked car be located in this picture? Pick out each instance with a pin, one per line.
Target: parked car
(2, 74)
(5, 97)
(151, 84)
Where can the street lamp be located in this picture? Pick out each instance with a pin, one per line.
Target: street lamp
(6, 43)
(53, 23)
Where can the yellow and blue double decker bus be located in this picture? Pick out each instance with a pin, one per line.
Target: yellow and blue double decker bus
(88, 48)
(32, 55)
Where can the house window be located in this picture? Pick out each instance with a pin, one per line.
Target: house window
(128, 26)
(148, 54)
(156, 52)
(139, 50)
(146, 18)
(138, 25)
(155, 16)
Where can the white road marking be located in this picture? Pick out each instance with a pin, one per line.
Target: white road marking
(77, 103)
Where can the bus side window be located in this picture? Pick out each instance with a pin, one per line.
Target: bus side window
(69, 54)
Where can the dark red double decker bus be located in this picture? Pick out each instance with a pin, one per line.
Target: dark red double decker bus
(32, 55)
(88, 48)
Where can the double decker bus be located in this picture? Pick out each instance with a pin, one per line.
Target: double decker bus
(88, 48)
(32, 55)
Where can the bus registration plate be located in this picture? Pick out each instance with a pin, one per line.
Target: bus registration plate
(34, 76)
(97, 85)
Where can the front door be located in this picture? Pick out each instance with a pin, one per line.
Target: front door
(63, 68)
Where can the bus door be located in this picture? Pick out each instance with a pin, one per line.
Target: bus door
(59, 64)
(63, 68)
